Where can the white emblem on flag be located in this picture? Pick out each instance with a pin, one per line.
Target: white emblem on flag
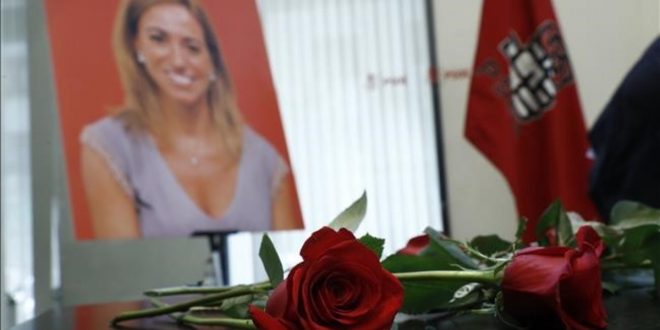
(532, 71)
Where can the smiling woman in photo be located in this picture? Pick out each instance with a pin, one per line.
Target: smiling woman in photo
(176, 157)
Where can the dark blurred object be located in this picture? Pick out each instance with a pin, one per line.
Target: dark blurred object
(219, 253)
(626, 139)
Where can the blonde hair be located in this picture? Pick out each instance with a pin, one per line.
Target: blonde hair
(140, 109)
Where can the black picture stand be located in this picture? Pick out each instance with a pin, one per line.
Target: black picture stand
(219, 254)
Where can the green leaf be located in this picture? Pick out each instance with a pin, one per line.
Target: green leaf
(399, 263)
(237, 307)
(636, 237)
(468, 294)
(271, 261)
(555, 217)
(565, 236)
(639, 244)
(351, 217)
(547, 221)
(637, 222)
(633, 212)
(626, 215)
(374, 244)
(448, 250)
(610, 287)
(520, 231)
(638, 227)
(423, 296)
(490, 244)
(237, 312)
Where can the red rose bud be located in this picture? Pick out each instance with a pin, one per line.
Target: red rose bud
(555, 286)
(340, 284)
(415, 245)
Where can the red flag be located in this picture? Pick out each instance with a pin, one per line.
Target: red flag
(523, 109)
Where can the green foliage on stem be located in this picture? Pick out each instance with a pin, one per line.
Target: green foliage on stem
(490, 245)
(628, 213)
(449, 250)
(446, 276)
(374, 244)
(238, 307)
(520, 231)
(555, 219)
(271, 261)
(352, 216)
(186, 290)
(442, 254)
(236, 291)
(420, 297)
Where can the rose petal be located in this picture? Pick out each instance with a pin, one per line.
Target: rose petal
(264, 321)
(313, 325)
(331, 265)
(588, 236)
(317, 308)
(530, 284)
(555, 286)
(581, 293)
(551, 235)
(415, 245)
(352, 259)
(338, 291)
(277, 302)
(536, 271)
(295, 308)
(380, 298)
(339, 285)
(321, 240)
(355, 252)
(365, 298)
(390, 303)
(544, 251)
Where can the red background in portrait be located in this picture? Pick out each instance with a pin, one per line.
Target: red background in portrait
(88, 84)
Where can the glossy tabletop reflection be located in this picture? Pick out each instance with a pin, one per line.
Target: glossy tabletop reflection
(636, 308)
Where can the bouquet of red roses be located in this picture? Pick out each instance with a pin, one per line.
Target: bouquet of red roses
(342, 283)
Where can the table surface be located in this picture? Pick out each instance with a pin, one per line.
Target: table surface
(635, 308)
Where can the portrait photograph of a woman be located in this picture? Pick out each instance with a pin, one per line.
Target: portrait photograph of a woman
(177, 157)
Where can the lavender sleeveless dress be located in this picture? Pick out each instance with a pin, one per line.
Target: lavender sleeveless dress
(164, 208)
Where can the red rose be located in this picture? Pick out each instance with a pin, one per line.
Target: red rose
(555, 286)
(340, 284)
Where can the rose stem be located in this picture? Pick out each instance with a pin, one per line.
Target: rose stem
(240, 291)
(185, 290)
(227, 322)
(222, 321)
(482, 276)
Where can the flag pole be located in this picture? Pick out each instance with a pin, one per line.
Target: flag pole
(434, 78)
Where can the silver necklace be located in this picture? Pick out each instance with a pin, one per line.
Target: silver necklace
(194, 160)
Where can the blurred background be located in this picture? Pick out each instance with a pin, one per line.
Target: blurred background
(355, 84)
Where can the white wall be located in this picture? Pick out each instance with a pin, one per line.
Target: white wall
(604, 39)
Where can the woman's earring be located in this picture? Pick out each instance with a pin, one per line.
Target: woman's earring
(140, 58)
